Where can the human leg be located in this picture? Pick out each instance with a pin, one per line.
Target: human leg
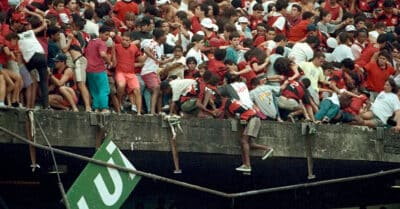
(94, 91)
(323, 109)
(69, 94)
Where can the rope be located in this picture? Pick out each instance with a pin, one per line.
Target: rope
(199, 188)
(59, 182)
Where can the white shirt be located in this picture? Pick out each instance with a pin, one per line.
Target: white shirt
(157, 50)
(91, 27)
(181, 87)
(342, 52)
(29, 45)
(356, 49)
(198, 55)
(184, 41)
(301, 52)
(385, 105)
(243, 93)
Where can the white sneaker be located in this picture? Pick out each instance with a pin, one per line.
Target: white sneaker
(267, 153)
(34, 167)
(134, 108)
(244, 168)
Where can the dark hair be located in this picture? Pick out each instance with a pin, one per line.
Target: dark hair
(197, 38)
(178, 47)
(126, 34)
(52, 30)
(158, 33)
(280, 50)
(392, 84)
(307, 15)
(318, 54)
(312, 40)
(298, 7)
(282, 66)
(191, 59)
(306, 82)
(358, 19)
(328, 66)
(104, 29)
(323, 13)
(164, 85)
(12, 35)
(388, 3)
(220, 54)
(382, 38)
(281, 4)
(347, 15)
(234, 35)
(181, 15)
(258, 7)
(280, 37)
(102, 10)
(343, 37)
(255, 81)
(88, 13)
(385, 54)
(57, 2)
(230, 78)
(257, 53)
(347, 63)
(248, 43)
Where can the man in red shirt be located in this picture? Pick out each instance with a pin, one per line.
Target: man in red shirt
(126, 54)
(378, 72)
(299, 32)
(216, 65)
(125, 6)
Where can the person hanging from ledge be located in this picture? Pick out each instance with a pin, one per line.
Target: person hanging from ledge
(239, 103)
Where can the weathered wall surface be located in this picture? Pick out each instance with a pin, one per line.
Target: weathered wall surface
(206, 135)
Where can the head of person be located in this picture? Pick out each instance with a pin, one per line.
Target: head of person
(344, 38)
(104, 32)
(381, 40)
(198, 41)
(312, 41)
(234, 39)
(203, 69)
(53, 32)
(178, 51)
(60, 61)
(58, 5)
(328, 68)
(306, 82)
(258, 10)
(307, 16)
(281, 6)
(71, 4)
(129, 19)
(359, 22)
(191, 63)
(146, 24)
(165, 87)
(261, 29)
(283, 66)
(230, 65)
(270, 33)
(159, 35)
(318, 59)
(257, 81)
(231, 78)
(347, 64)
(280, 40)
(325, 16)
(390, 86)
(388, 6)
(383, 59)
(220, 54)
(361, 35)
(296, 10)
(126, 39)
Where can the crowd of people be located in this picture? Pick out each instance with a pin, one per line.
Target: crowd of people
(329, 61)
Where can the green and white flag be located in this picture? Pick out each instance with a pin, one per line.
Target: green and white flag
(100, 187)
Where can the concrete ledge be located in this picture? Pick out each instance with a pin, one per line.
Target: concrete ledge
(146, 133)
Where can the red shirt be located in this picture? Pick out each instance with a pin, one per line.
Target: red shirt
(333, 10)
(3, 56)
(254, 22)
(248, 76)
(299, 31)
(338, 78)
(366, 55)
(96, 63)
(195, 24)
(126, 58)
(356, 105)
(13, 48)
(122, 7)
(218, 68)
(376, 77)
(296, 90)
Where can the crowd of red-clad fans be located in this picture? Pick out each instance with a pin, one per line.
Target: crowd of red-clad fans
(323, 61)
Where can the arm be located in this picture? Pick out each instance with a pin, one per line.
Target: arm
(42, 26)
(8, 52)
(295, 70)
(66, 76)
(397, 118)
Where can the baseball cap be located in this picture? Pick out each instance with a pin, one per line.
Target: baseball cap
(19, 18)
(60, 58)
(207, 23)
(243, 20)
(350, 28)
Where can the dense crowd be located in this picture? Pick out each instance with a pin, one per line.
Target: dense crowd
(321, 61)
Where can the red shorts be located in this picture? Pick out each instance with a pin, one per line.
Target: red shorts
(151, 80)
(127, 79)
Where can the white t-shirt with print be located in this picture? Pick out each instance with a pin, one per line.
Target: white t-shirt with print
(301, 52)
(150, 65)
(29, 45)
(243, 93)
(385, 105)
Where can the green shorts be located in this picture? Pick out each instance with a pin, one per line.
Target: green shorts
(190, 107)
(378, 122)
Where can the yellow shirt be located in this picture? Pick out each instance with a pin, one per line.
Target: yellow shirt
(312, 72)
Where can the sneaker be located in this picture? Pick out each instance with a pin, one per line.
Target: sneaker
(34, 167)
(165, 108)
(134, 108)
(267, 153)
(244, 168)
(178, 171)
(291, 118)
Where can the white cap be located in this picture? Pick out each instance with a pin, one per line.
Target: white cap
(373, 36)
(350, 28)
(243, 20)
(331, 42)
(161, 2)
(207, 23)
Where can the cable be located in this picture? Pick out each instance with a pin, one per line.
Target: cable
(60, 184)
(199, 188)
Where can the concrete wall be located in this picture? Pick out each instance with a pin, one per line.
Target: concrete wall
(206, 135)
